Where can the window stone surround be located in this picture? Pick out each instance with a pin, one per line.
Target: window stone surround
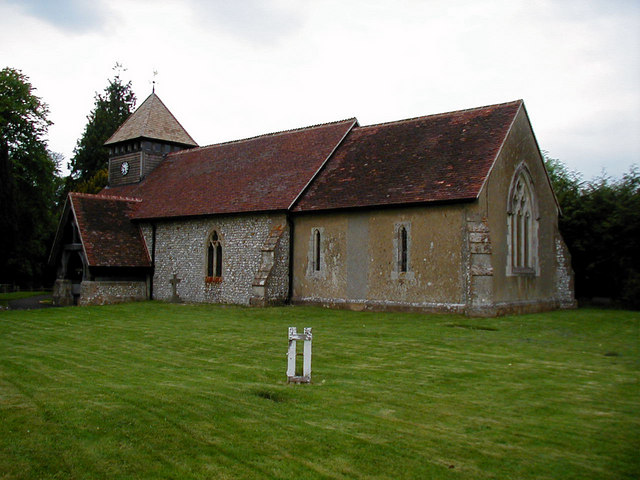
(523, 177)
(396, 273)
(312, 271)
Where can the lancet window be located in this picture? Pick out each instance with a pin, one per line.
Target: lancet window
(214, 256)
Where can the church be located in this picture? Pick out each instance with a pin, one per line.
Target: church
(452, 212)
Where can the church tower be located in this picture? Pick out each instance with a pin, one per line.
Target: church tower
(142, 141)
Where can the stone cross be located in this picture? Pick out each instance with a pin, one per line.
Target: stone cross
(174, 284)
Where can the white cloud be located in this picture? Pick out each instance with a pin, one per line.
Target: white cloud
(235, 69)
(72, 16)
(257, 21)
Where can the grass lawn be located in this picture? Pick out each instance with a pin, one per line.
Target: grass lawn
(152, 390)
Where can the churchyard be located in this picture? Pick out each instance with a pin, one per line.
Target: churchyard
(154, 390)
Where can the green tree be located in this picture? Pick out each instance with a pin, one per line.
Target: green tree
(94, 184)
(600, 223)
(612, 247)
(29, 178)
(90, 157)
(566, 183)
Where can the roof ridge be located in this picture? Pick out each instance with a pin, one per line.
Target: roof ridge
(174, 117)
(271, 134)
(106, 197)
(149, 99)
(464, 110)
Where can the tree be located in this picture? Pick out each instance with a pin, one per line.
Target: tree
(611, 263)
(600, 223)
(90, 157)
(28, 175)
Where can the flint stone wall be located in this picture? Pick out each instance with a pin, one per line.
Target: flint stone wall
(564, 275)
(107, 292)
(181, 248)
(278, 286)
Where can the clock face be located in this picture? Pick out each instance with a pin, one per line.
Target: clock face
(124, 168)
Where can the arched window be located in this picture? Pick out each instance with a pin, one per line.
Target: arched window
(316, 267)
(214, 256)
(522, 225)
(402, 249)
(401, 259)
(316, 250)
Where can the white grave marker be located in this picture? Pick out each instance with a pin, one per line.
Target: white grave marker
(294, 336)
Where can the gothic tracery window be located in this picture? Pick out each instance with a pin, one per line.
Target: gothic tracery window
(522, 226)
(214, 256)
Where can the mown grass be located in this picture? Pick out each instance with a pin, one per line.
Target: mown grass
(151, 390)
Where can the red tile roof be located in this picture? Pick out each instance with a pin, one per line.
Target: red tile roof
(440, 157)
(443, 157)
(109, 237)
(263, 173)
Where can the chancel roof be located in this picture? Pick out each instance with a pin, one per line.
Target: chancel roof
(108, 236)
(444, 157)
(152, 120)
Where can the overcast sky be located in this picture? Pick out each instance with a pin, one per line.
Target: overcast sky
(231, 69)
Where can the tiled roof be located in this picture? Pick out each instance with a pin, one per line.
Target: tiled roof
(152, 120)
(109, 237)
(442, 157)
(263, 173)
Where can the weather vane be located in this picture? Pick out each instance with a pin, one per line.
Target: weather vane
(155, 74)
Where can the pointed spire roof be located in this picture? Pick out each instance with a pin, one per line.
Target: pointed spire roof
(152, 120)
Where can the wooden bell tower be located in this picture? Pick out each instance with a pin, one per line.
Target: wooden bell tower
(143, 140)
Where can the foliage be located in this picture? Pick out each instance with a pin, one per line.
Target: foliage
(96, 183)
(111, 109)
(567, 184)
(601, 224)
(152, 390)
(29, 179)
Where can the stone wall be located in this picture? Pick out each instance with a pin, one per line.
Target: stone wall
(107, 292)
(181, 247)
(564, 275)
(62, 293)
(519, 153)
(480, 275)
(452, 263)
(278, 287)
(271, 283)
(359, 259)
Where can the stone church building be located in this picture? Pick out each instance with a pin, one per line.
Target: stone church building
(451, 212)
